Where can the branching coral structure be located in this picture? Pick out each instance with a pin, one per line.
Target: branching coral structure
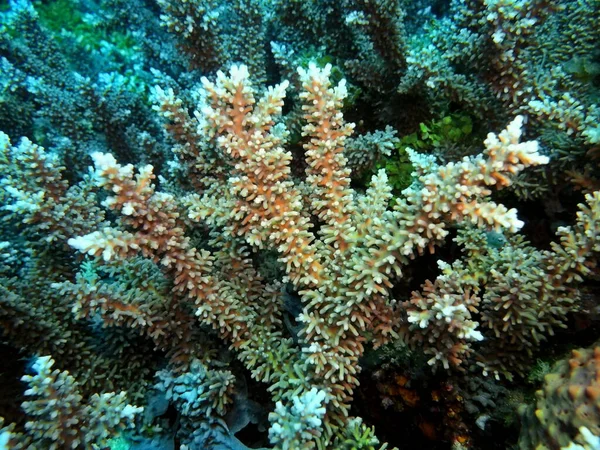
(283, 224)
(60, 419)
(520, 296)
(339, 248)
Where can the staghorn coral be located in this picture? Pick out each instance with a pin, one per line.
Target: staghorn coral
(197, 23)
(517, 54)
(492, 58)
(41, 198)
(505, 298)
(214, 34)
(34, 316)
(439, 320)
(343, 271)
(363, 151)
(61, 419)
(136, 295)
(378, 34)
(294, 425)
(201, 396)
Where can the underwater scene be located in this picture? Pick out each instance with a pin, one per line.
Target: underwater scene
(300, 224)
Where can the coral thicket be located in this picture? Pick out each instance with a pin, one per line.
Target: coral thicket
(356, 224)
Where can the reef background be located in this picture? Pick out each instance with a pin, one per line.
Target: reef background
(299, 224)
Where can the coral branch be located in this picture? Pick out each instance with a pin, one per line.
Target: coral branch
(59, 417)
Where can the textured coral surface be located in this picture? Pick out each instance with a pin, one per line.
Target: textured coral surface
(325, 224)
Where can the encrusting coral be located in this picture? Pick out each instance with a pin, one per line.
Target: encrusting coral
(343, 271)
(566, 409)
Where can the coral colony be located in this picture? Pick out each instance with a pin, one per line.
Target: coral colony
(294, 224)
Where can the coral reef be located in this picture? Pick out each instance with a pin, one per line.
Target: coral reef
(271, 224)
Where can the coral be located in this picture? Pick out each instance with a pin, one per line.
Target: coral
(41, 198)
(304, 25)
(363, 151)
(60, 419)
(138, 298)
(214, 34)
(249, 41)
(39, 204)
(565, 412)
(379, 38)
(444, 311)
(572, 116)
(199, 392)
(295, 424)
(504, 287)
(258, 235)
(511, 24)
(435, 56)
(37, 319)
(183, 130)
(259, 204)
(197, 24)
